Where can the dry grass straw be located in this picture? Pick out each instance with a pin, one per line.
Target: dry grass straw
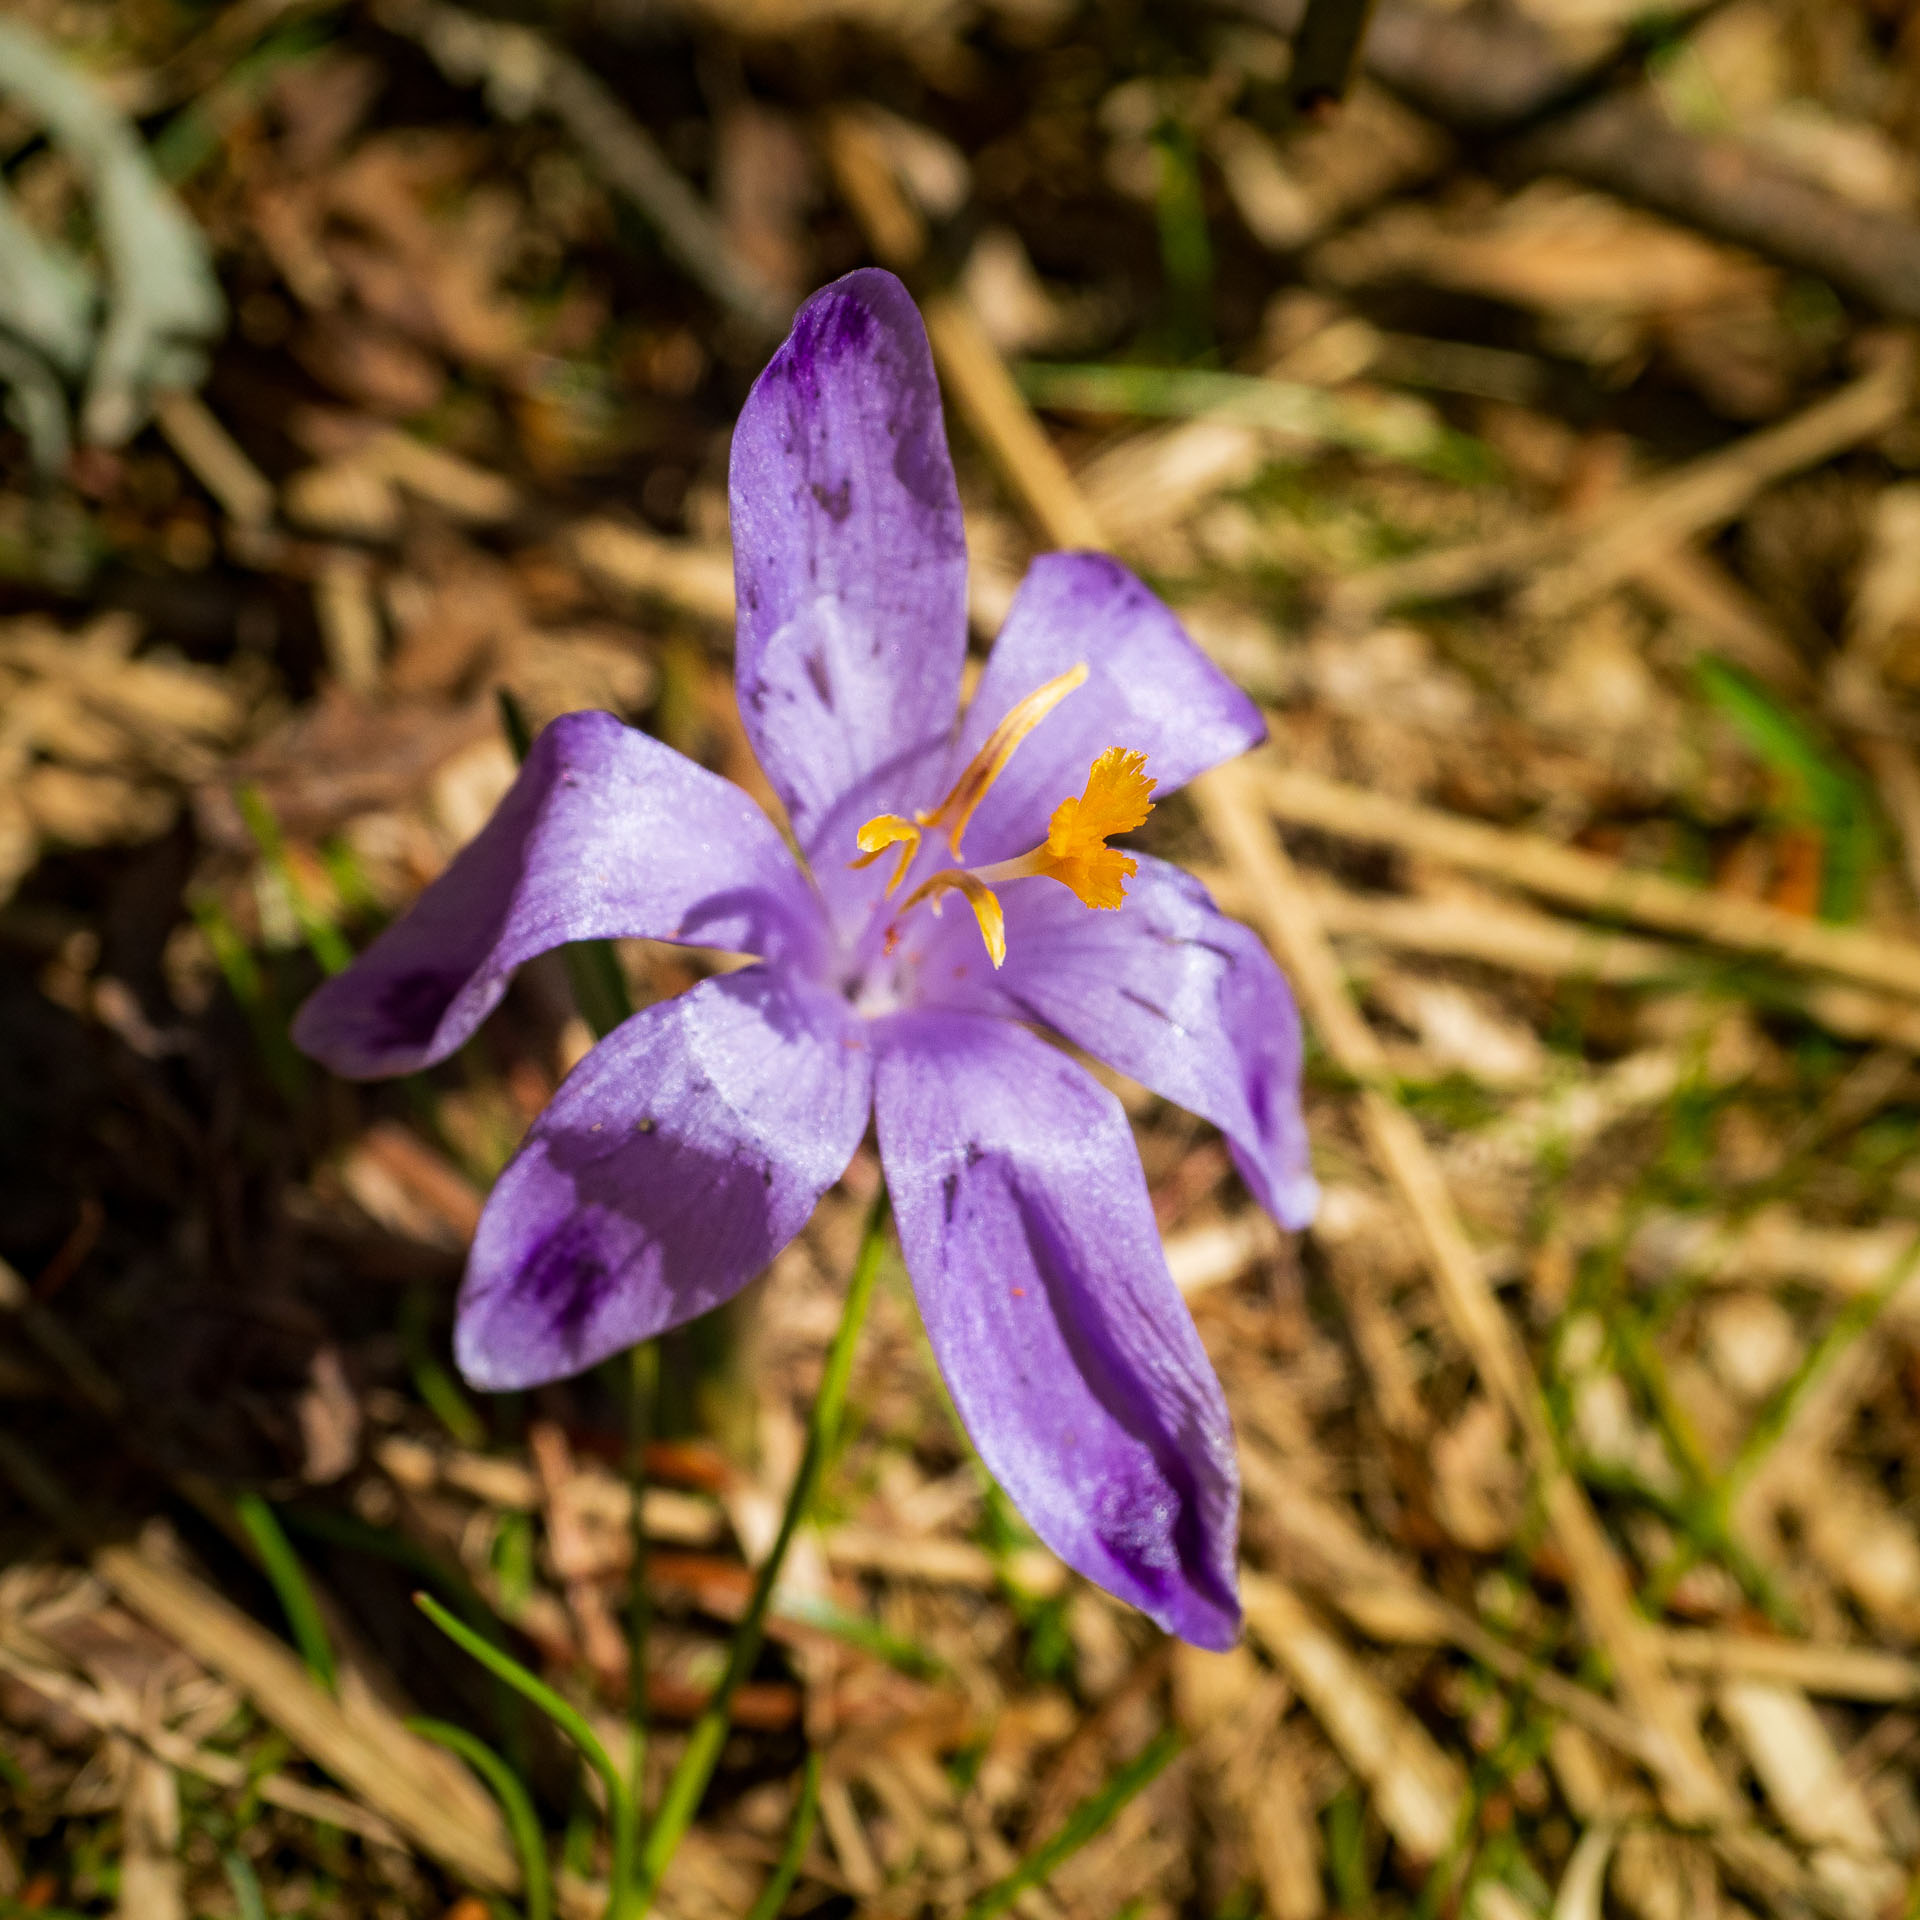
(220, 1769)
(1572, 563)
(1585, 880)
(1420, 1791)
(1284, 914)
(364, 1747)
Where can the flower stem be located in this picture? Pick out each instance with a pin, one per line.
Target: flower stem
(643, 1381)
(688, 1785)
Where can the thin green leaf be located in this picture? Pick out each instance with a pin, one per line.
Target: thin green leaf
(325, 941)
(241, 971)
(572, 1723)
(688, 1784)
(514, 1800)
(245, 1884)
(1821, 790)
(773, 1896)
(1392, 426)
(1086, 1822)
(282, 1567)
(431, 1380)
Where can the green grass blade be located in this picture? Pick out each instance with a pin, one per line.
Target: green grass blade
(1390, 426)
(515, 1802)
(325, 941)
(248, 985)
(246, 1886)
(282, 1567)
(431, 1380)
(1822, 789)
(571, 1722)
(684, 1790)
(773, 1896)
(1086, 1822)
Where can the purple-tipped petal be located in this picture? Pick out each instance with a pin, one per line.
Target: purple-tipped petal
(1073, 1361)
(606, 834)
(678, 1158)
(849, 556)
(1148, 688)
(1168, 990)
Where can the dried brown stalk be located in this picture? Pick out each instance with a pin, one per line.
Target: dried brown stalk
(1586, 880)
(1285, 915)
(1639, 526)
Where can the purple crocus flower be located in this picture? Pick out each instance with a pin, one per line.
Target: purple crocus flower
(691, 1145)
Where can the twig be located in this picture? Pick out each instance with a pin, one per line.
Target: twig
(1419, 1790)
(221, 1769)
(1587, 881)
(525, 74)
(1326, 51)
(1627, 144)
(1477, 70)
(213, 457)
(1843, 1673)
(1669, 511)
(1489, 71)
(1644, 522)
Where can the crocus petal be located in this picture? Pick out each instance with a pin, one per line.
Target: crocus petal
(1169, 991)
(849, 556)
(607, 833)
(1148, 689)
(1071, 1357)
(678, 1158)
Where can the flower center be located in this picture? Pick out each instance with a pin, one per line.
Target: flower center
(1075, 851)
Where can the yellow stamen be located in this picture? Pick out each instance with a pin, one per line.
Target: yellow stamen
(979, 896)
(952, 814)
(989, 763)
(1075, 851)
(881, 832)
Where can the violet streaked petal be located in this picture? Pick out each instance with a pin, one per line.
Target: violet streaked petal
(607, 833)
(1149, 689)
(1071, 1357)
(1168, 990)
(678, 1158)
(849, 555)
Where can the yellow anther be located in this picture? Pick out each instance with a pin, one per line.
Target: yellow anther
(952, 814)
(881, 832)
(986, 766)
(1075, 851)
(979, 896)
